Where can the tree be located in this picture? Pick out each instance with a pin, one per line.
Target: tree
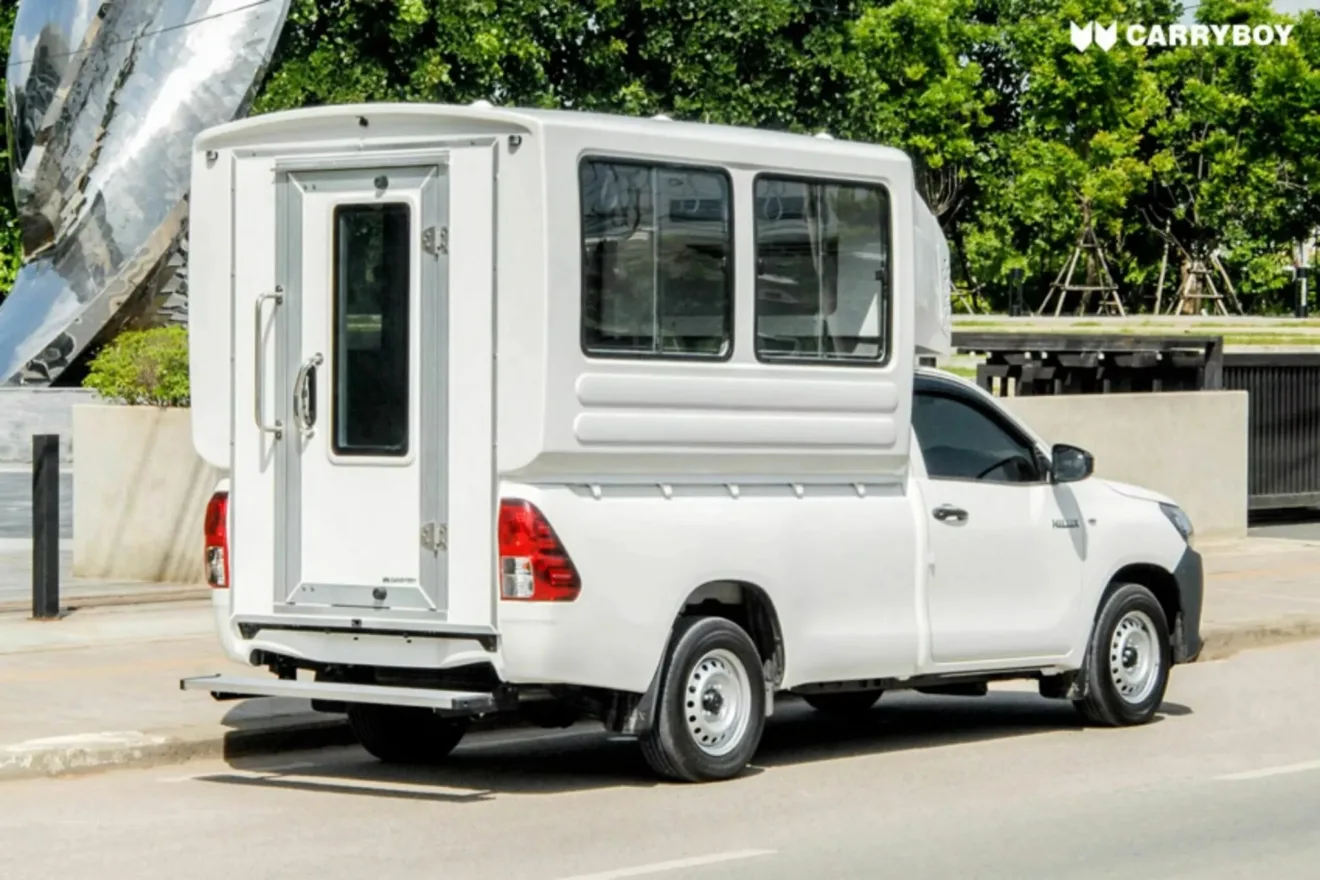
(1236, 158)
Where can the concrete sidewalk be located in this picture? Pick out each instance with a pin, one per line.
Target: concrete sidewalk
(1260, 591)
(100, 687)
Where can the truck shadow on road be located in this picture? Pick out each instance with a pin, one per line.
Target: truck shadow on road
(584, 757)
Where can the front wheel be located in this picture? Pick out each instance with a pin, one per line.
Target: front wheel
(711, 707)
(1128, 660)
(405, 734)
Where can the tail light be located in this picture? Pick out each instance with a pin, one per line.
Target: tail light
(217, 540)
(534, 566)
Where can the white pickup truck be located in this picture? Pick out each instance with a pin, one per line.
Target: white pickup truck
(575, 415)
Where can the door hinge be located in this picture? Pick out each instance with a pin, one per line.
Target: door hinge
(435, 244)
(435, 537)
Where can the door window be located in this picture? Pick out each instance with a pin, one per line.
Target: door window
(960, 441)
(373, 267)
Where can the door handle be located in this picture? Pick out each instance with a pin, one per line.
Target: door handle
(259, 368)
(304, 394)
(949, 513)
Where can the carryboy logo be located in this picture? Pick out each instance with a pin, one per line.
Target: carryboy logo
(1083, 36)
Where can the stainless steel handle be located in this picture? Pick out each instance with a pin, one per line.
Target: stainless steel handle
(947, 513)
(259, 370)
(304, 409)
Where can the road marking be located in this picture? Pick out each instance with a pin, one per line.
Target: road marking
(1264, 772)
(676, 864)
(259, 771)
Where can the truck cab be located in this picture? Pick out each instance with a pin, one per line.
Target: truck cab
(562, 415)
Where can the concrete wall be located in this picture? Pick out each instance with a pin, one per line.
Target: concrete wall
(28, 411)
(139, 495)
(1190, 446)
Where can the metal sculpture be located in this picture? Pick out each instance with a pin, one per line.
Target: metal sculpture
(104, 101)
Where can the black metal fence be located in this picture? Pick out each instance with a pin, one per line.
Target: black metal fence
(1284, 435)
(1283, 391)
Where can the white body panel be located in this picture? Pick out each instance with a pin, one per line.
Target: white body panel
(665, 479)
(933, 318)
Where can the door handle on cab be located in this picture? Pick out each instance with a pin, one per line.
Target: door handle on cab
(949, 513)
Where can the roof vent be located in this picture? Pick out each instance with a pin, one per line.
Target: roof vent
(481, 104)
(662, 117)
(825, 135)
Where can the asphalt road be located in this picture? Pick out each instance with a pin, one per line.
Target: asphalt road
(16, 502)
(1225, 784)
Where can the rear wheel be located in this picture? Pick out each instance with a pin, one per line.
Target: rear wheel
(1128, 661)
(711, 707)
(404, 734)
(847, 703)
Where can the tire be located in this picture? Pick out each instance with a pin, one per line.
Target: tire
(710, 711)
(846, 704)
(404, 734)
(1131, 633)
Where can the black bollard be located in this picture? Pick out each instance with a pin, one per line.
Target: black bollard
(45, 526)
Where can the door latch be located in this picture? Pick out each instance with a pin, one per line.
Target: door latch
(435, 537)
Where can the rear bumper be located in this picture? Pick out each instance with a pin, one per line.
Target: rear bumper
(1189, 575)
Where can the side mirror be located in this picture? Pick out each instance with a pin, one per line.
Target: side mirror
(1070, 464)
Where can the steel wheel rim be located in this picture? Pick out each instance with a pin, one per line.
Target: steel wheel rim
(717, 704)
(1134, 657)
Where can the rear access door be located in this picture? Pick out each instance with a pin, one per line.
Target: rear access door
(381, 520)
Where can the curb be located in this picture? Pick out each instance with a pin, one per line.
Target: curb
(86, 753)
(1223, 642)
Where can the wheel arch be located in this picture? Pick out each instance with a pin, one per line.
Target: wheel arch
(1155, 578)
(742, 602)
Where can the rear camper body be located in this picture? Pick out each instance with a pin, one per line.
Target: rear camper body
(565, 413)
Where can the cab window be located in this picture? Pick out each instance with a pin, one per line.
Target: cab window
(961, 441)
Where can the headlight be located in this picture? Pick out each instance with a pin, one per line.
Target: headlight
(1179, 520)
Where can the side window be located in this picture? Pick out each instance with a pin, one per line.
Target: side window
(822, 271)
(657, 260)
(961, 442)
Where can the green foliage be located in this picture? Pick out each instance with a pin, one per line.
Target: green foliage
(143, 368)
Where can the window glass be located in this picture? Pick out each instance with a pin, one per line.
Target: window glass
(822, 270)
(961, 442)
(373, 268)
(657, 250)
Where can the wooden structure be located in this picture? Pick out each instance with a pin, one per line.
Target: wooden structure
(1198, 286)
(1091, 254)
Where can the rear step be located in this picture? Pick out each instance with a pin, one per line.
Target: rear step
(230, 687)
